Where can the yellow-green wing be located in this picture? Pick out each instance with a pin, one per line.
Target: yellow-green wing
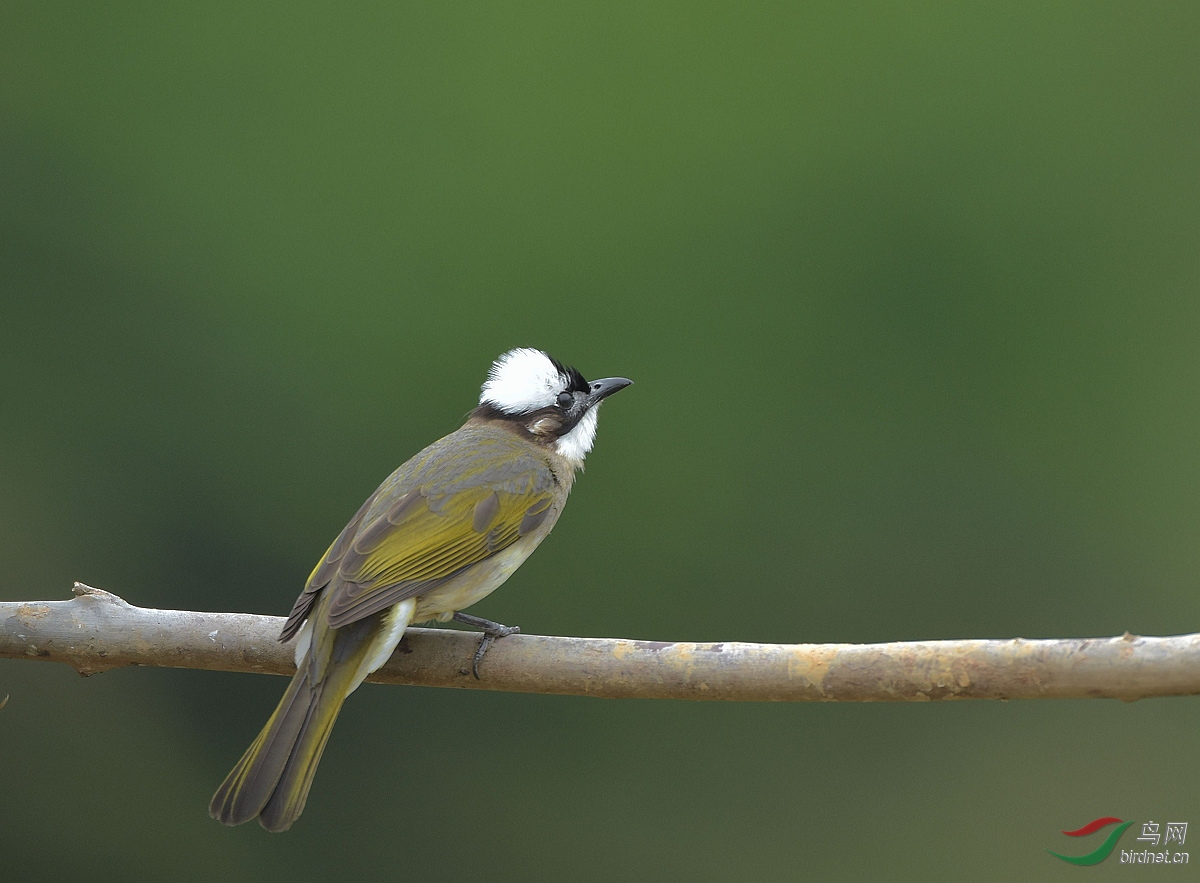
(462, 499)
(424, 539)
(324, 572)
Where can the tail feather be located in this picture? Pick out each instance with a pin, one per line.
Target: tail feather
(272, 779)
(254, 779)
(287, 800)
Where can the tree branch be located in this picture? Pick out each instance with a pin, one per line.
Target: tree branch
(97, 631)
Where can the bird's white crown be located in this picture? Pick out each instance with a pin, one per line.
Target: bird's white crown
(523, 380)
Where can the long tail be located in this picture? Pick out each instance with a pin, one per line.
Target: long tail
(272, 779)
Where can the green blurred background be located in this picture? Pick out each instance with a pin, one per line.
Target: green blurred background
(910, 293)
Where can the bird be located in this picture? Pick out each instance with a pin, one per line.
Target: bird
(440, 533)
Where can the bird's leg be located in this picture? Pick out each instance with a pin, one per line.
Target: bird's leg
(491, 631)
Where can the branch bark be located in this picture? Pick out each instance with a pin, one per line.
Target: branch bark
(97, 631)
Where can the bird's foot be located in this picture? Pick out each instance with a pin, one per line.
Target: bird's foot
(491, 631)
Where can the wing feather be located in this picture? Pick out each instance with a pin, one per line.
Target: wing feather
(324, 572)
(426, 549)
(461, 500)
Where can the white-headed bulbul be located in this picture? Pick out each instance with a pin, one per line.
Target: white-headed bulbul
(439, 534)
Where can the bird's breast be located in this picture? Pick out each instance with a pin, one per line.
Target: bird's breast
(475, 582)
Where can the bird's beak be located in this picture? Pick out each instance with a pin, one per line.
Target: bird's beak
(604, 387)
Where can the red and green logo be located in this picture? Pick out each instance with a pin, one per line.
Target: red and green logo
(1101, 852)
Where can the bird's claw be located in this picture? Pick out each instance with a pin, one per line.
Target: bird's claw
(491, 631)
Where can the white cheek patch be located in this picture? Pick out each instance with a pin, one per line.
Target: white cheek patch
(520, 381)
(576, 443)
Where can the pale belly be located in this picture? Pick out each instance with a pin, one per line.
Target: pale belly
(476, 582)
(441, 604)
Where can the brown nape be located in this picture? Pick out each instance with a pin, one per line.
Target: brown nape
(547, 426)
(544, 425)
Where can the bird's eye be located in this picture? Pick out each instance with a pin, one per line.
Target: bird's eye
(565, 399)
